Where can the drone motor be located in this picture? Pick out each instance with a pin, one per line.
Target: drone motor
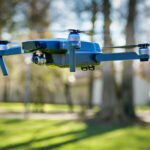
(144, 50)
(74, 39)
(3, 45)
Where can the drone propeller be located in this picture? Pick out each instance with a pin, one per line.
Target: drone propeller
(76, 31)
(128, 46)
(49, 33)
(88, 32)
(4, 42)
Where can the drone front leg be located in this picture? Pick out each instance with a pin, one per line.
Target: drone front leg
(3, 66)
(72, 59)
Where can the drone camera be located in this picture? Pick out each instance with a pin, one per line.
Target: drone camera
(39, 60)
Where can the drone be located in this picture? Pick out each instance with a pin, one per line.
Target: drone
(70, 52)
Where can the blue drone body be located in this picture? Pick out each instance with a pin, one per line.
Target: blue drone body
(69, 52)
(57, 52)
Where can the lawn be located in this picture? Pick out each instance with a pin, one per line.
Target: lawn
(48, 108)
(146, 107)
(19, 107)
(70, 135)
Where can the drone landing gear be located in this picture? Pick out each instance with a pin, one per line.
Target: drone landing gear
(3, 67)
(90, 67)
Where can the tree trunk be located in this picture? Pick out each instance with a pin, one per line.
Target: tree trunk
(127, 85)
(111, 108)
(91, 82)
(91, 75)
(6, 89)
(109, 97)
(68, 96)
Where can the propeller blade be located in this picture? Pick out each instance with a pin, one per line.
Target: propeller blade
(127, 46)
(124, 46)
(92, 32)
(88, 32)
(69, 30)
(49, 33)
(5, 42)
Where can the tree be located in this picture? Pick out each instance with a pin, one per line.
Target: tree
(118, 102)
(67, 87)
(127, 85)
(37, 21)
(38, 17)
(109, 96)
(92, 7)
(7, 12)
(94, 11)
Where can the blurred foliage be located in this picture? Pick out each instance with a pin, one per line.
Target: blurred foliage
(7, 11)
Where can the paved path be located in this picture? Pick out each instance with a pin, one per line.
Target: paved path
(53, 116)
(144, 115)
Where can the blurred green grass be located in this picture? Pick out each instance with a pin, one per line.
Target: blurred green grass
(19, 107)
(146, 107)
(47, 108)
(70, 135)
(50, 108)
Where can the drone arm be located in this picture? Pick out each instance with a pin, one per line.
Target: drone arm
(119, 56)
(10, 51)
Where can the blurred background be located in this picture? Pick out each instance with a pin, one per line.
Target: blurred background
(113, 99)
